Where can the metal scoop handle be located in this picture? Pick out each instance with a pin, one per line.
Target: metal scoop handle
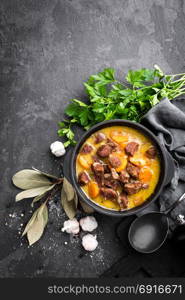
(168, 211)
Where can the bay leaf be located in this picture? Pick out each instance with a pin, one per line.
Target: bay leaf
(45, 174)
(76, 199)
(37, 198)
(43, 210)
(45, 215)
(68, 206)
(86, 208)
(30, 223)
(35, 232)
(69, 189)
(33, 192)
(28, 179)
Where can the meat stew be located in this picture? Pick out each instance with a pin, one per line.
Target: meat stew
(118, 167)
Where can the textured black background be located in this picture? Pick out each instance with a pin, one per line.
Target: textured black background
(47, 49)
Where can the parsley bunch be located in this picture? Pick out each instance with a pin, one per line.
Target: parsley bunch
(111, 99)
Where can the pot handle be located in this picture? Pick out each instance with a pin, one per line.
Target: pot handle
(66, 164)
(170, 168)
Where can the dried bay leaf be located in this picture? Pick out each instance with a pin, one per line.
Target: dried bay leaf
(86, 208)
(36, 230)
(33, 192)
(45, 214)
(69, 199)
(69, 189)
(29, 179)
(37, 198)
(30, 223)
(70, 207)
(45, 174)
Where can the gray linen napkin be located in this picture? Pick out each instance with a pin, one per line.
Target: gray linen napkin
(167, 121)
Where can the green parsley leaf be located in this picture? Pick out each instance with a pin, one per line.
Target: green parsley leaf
(109, 99)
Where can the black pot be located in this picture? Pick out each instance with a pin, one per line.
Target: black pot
(164, 174)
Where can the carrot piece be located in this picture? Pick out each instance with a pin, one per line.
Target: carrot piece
(93, 189)
(122, 145)
(145, 174)
(118, 136)
(83, 162)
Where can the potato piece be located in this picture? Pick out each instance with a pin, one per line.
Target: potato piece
(138, 200)
(110, 204)
(84, 162)
(93, 189)
(140, 160)
(145, 174)
(118, 136)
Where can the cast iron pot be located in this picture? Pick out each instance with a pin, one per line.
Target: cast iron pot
(163, 162)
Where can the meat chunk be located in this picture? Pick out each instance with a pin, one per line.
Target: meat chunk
(133, 170)
(114, 174)
(97, 159)
(123, 200)
(99, 137)
(111, 179)
(151, 152)
(131, 148)
(107, 176)
(98, 171)
(109, 193)
(104, 151)
(114, 161)
(114, 146)
(97, 168)
(87, 148)
(112, 183)
(83, 178)
(124, 176)
(134, 187)
(106, 168)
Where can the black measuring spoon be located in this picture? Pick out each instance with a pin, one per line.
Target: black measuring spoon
(148, 232)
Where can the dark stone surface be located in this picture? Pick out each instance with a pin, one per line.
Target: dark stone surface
(48, 48)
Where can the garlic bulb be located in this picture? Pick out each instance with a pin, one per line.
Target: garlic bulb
(88, 223)
(57, 148)
(71, 226)
(89, 242)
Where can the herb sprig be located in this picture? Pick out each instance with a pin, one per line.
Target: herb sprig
(111, 99)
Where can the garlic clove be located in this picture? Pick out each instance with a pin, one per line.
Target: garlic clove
(88, 223)
(57, 148)
(71, 226)
(89, 242)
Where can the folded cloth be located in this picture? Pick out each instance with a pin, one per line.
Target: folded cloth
(167, 121)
